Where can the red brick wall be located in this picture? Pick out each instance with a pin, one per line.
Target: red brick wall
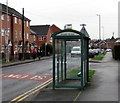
(15, 27)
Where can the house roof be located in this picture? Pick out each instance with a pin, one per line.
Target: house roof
(12, 11)
(40, 29)
(55, 29)
(32, 32)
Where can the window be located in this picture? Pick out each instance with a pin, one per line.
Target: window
(15, 20)
(24, 35)
(41, 38)
(8, 31)
(34, 38)
(51, 39)
(3, 48)
(27, 36)
(2, 32)
(8, 18)
(19, 21)
(2, 17)
(20, 34)
(16, 35)
(27, 23)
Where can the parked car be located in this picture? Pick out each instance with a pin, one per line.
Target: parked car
(108, 50)
(96, 51)
(76, 51)
(91, 53)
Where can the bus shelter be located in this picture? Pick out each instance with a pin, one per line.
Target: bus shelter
(70, 58)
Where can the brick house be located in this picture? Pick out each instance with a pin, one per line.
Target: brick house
(111, 42)
(44, 33)
(13, 25)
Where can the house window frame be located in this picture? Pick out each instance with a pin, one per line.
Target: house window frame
(8, 31)
(3, 32)
(16, 20)
(16, 34)
(20, 34)
(2, 17)
(20, 21)
(51, 39)
(27, 35)
(41, 38)
(8, 18)
(24, 35)
(3, 49)
(27, 23)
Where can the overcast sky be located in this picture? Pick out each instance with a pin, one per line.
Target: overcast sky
(75, 12)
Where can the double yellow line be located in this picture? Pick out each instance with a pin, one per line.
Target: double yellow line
(30, 92)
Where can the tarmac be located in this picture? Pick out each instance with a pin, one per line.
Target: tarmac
(103, 87)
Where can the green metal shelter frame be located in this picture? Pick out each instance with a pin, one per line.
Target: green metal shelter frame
(61, 40)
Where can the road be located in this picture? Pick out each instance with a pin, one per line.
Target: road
(18, 79)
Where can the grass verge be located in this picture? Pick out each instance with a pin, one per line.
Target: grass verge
(73, 73)
(99, 57)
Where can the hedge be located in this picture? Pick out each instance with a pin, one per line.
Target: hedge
(116, 52)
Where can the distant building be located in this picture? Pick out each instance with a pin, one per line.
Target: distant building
(44, 33)
(112, 42)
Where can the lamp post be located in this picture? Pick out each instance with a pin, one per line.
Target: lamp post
(6, 35)
(99, 26)
(103, 32)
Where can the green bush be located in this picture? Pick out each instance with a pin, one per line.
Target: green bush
(48, 49)
(116, 52)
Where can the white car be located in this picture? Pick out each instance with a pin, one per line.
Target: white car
(76, 51)
(108, 50)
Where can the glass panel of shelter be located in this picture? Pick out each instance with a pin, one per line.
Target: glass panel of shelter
(68, 62)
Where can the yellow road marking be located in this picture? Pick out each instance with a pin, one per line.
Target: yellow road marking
(30, 90)
(77, 97)
(32, 93)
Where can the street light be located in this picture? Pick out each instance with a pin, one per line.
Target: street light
(99, 26)
(6, 35)
(103, 32)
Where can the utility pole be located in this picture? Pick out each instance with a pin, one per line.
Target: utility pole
(6, 35)
(99, 26)
(0, 33)
(23, 33)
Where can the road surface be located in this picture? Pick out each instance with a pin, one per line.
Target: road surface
(18, 79)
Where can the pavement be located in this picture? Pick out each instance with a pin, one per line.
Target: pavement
(24, 61)
(103, 87)
(32, 60)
